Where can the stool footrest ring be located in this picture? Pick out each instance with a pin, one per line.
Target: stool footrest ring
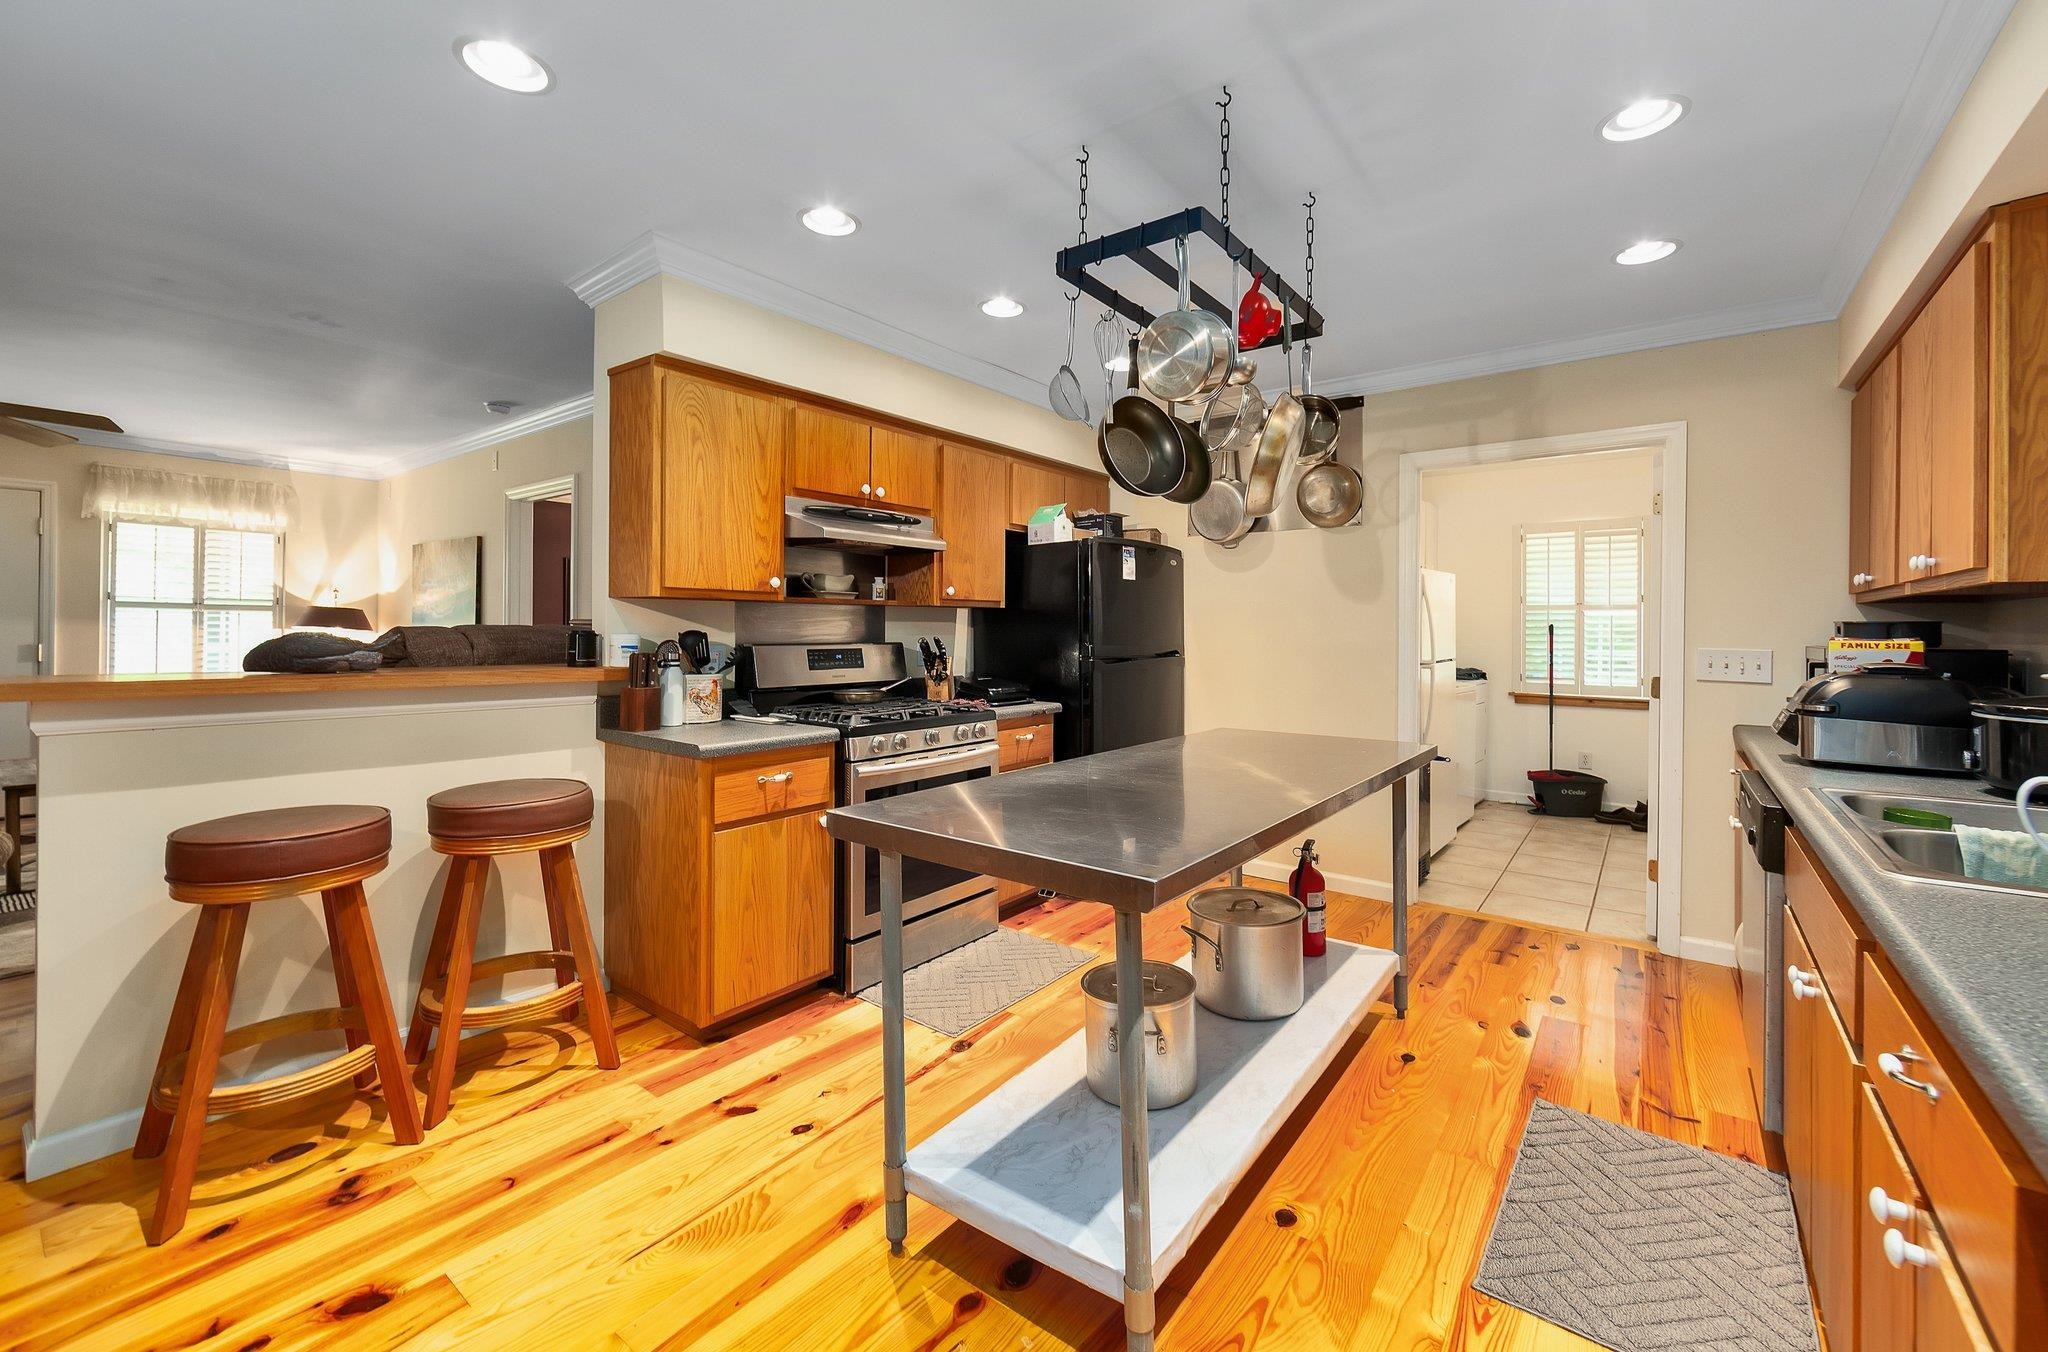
(276, 1089)
(543, 1005)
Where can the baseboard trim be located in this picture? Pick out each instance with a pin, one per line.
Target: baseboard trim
(1351, 884)
(1720, 952)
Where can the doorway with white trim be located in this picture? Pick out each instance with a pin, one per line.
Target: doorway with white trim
(1541, 582)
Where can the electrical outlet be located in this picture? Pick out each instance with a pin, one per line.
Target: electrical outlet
(1585, 760)
(1750, 666)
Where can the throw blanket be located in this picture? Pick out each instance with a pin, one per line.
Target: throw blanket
(415, 645)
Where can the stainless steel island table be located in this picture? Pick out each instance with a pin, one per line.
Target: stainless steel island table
(1131, 829)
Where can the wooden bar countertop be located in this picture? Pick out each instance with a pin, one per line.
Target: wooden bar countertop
(93, 689)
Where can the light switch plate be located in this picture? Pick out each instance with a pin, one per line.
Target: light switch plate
(1751, 666)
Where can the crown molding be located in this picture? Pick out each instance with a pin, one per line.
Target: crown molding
(185, 450)
(554, 415)
(656, 255)
(1963, 37)
(1730, 323)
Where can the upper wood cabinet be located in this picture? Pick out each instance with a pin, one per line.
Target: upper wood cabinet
(1037, 484)
(974, 500)
(906, 470)
(828, 454)
(1949, 432)
(697, 472)
(1874, 559)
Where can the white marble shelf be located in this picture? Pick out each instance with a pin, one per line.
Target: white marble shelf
(1038, 1165)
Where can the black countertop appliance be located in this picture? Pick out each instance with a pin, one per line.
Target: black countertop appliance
(1095, 625)
(1889, 718)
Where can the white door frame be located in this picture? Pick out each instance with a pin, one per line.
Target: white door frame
(1665, 647)
(46, 605)
(518, 589)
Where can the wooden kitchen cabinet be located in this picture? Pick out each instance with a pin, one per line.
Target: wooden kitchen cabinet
(696, 501)
(1874, 558)
(1036, 484)
(1958, 409)
(1884, 1294)
(974, 498)
(1820, 1137)
(1024, 743)
(828, 454)
(718, 880)
(906, 470)
(1944, 371)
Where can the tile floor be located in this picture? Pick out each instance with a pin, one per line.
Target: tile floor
(1568, 872)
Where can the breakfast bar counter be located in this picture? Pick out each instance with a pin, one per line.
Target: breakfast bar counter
(1132, 829)
(123, 761)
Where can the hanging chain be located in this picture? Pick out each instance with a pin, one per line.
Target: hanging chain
(1310, 266)
(1223, 174)
(1083, 162)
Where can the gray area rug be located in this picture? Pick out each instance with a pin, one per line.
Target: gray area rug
(1638, 1242)
(17, 933)
(957, 990)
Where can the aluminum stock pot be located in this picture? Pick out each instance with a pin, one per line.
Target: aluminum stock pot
(1247, 952)
(1167, 1026)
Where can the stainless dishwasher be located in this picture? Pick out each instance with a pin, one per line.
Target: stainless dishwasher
(1759, 825)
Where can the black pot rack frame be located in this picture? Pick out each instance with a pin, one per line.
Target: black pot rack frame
(1139, 243)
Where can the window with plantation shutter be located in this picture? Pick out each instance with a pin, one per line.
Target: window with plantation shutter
(184, 598)
(1581, 608)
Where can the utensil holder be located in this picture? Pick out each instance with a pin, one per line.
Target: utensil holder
(938, 688)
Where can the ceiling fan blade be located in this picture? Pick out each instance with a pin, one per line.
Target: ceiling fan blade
(92, 421)
(33, 435)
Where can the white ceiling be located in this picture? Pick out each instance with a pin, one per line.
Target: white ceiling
(304, 231)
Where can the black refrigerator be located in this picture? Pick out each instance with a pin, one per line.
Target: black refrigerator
(1096, 625)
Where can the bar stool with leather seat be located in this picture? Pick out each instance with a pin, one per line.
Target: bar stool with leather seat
(471, 824)
(224, 866)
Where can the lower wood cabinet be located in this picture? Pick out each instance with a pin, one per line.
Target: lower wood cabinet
(1820, 1136)
(718, 880)
(1024, 742)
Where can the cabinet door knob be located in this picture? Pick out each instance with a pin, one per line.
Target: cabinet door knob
(1928, 561)
(821, 819)
(781, 777)
(1026, 736)
(1893, 1064)
(1899, 1251)
(774, 583)
(881, 492)
(1804, 986)
(949, 591)
(1735, 821)
(1886, 1209)
(866, 489)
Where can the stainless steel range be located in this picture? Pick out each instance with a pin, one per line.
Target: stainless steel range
(889, 744)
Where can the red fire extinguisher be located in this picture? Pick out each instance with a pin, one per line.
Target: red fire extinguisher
(1305, 885)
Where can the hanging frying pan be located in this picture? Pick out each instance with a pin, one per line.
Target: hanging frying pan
(1220, 516)
(1186, 352)
(1139, 443)
(1195, 456)
(1279, 440)
(1321, 423)
(1329, 494)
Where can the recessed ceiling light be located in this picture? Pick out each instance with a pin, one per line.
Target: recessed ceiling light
(829, 221)
(504, 65)
(1646, 251)
(1644, 117)
(1001, 307)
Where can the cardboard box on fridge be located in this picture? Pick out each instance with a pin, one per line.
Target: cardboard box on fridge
(1860, 654)
(1049, 524)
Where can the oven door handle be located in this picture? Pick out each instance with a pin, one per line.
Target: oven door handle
(881, 774)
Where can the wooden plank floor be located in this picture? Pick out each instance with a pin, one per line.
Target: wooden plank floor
(728, 1196)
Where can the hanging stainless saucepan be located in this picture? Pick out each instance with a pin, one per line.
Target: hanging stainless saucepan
(1329, 494)
(1186, 352)
(1279, 439)
(1140, 444)
(1321, 422)
(1219, 516)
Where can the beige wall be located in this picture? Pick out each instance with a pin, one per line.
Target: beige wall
(1477, 513)
(1994, 150)
(665, 314)
(333, 545)
(1297, 630)
(466, 496)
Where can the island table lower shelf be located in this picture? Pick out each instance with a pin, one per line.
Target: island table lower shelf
(1037, 1164)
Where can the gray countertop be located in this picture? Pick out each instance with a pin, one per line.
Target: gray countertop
(1139, 826)
(1036, 708)
(1977, 960)
(709, 741)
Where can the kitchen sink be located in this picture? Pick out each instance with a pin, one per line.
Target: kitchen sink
(1920, 853)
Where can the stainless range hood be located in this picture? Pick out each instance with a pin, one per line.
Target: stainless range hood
(809, 521)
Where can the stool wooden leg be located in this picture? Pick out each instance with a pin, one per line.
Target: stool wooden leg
(466, 878)
(558, 937)
(344, 981)
(357, 954)
(564, 888)
(156, 1122)
(419, 1032)
(220, 935)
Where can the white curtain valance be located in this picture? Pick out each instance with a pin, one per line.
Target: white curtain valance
(189, 499)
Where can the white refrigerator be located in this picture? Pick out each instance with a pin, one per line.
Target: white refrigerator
(1445, 715)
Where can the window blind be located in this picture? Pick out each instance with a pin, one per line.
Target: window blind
(1587, 580)
(186, 598)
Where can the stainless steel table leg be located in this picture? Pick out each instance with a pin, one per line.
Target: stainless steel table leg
(1400, 805)
(1237, 876)
(895, 1143)
(1131, 1047)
